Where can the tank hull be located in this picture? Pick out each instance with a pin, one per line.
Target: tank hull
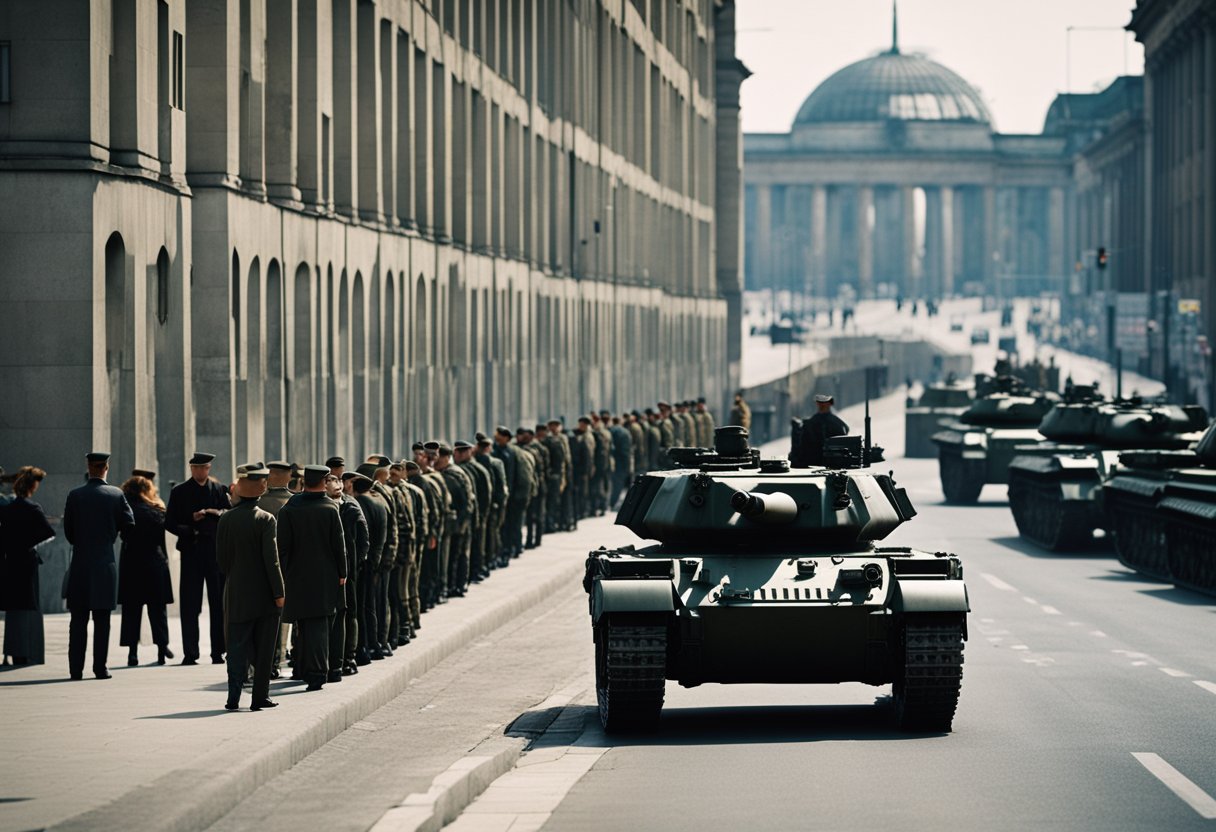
(1053, 495)
(920, 423)
(971, 457)
(1188, 509)
(1129, 503)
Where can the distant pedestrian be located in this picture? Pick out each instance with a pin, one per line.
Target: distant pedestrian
(95, 515)
(23, 530)
(143, 572)
(246, 550)
(741, 414)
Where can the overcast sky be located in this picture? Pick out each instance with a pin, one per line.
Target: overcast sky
(1013, 51)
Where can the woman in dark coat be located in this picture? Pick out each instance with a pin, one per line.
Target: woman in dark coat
(143, 572)
(23, 528)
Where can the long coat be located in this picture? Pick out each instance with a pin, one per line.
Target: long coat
(247, 554)
(354, 530)
(94, 517)
(143, 569)
(312, 550)
(22, 527)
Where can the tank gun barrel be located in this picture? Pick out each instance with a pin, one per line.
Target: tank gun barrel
(775, 508)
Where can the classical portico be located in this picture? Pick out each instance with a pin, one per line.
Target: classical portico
(893, 180)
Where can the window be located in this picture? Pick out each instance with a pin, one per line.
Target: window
(5, 73)
(178, 85)
(162, 287)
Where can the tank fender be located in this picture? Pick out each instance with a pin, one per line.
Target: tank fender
(626, 595)
(930, 596)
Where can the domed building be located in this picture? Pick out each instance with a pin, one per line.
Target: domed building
(894, 180)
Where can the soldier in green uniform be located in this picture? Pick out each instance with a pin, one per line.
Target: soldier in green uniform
(483, 486)
(638, 435)
(521, 486)
(654, 441)
(415, 505)
(601, 486)
(376, 469)
(247, 553)
(534, 518)
(498, 499)
(705, 424)
(355, 532)
(582, 466)
(559, 476)
(439, 590)
(464, 516)
(423, 538)
(437, 509)
(396, 630)
(313, 552)
(741, 414)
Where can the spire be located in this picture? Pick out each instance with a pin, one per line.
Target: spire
(894, 27)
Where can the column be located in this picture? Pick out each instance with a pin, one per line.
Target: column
(764, 235)
(1055, 233)
(282, 100)
(946, 244)
(314, 22)
(990, 241)
(345, 97)
(819, 241)
(368, 84)
(911, 261)
(865, 240)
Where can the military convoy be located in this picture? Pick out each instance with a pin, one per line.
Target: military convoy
(765, 574)
(1053, 485)
(976, 449)
(944, 401)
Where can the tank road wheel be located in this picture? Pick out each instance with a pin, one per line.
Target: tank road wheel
(1139, 538)
(630, 673)
(1042, 517)
(928, 682)
(962, 479)
(1192, 554)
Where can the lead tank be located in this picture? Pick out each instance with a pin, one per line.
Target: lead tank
(763, 574)
(977, 448)
(1053, 485)
(1160, 507)
(941, 401)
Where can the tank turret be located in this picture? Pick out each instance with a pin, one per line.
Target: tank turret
(938, 403)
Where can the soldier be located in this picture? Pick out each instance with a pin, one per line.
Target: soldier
(654, 441)
(741, 414)
(394, 628)
(638, 435)
(483, 486)
(276, 495)
(355, 536)
(689, 432)
(705, 424)
(601, 488)
(93, 518)
(499, 493)
(376, 469)
(521, 487)
(582, 466)
(463, 516)
(439, 593)
(622, 460)
(667, 431)
(819, 428)
(427, 545)
(414, 505)
(246, 551)
(313, 553)
(557, 511)
(193, 513)
(422, 476)
(534, 518)
(375, 512)
(420, 503)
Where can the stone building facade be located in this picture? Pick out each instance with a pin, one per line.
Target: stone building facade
(292, 228)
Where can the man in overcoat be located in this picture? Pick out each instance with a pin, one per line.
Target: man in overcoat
(246, 551)
(313, 552)
(94, 517)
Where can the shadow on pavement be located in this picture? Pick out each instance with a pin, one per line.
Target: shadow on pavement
(219, 711)
(1128, 576)
(1027, 548)
(760, 724)
(1177, 595)
(22, 684)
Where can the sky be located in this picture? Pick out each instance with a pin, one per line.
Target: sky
(1013, 51)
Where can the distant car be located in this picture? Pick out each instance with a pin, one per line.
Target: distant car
(956, 324)
(979, 336)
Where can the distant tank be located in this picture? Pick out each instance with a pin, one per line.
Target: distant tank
(1160, 507)
(1053, 485)
(923, 417)
(976, 450)
(762, 574)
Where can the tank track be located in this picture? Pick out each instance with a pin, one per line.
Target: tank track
(1139, 534)
(962, 479)
(630, 675)
(927, 689)
(1192, 554)
(1042, 517)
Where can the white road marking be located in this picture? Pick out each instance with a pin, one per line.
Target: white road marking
(1019, 647)
(1097, 634)
(1139, 664)
(987, 620)
(1075, 624)
(997, 582)
(995, 639)
(1210, 687)
(1050, 610)
(1030, 600)
(1178, 783)
(1177, 674)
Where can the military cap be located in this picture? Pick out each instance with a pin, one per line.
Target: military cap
(637, 414)
(664, 404)
(397, 466)
(351, 475)
(502, 430)
(200, 458)
(700, 400)
(280, 465)
(605, 412)
(823, 398)
(379, 459)
(522, 429)
(554, 422)
(484, 442)
(362, 485)
(432, 447)
(333, 462)
(417, 446)
(650, 411)
(540, 426)
(367, 469)
(95, 457)
(444, 450)
(135, 472)
(314, 475)
(460, 445)
(252, 471)
(584, 420)
(297, 469)
(412, 467)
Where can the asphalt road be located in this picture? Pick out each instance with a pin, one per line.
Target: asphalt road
(1089, 702)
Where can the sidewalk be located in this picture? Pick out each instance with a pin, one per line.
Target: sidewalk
(153, 747)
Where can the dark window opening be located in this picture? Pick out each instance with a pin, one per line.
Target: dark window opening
(178, 85)
(5, 73)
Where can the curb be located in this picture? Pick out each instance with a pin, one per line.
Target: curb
(194, 797)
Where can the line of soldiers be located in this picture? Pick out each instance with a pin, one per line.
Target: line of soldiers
(332, 566)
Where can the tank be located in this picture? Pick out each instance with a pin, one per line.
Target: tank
(944, 401)
(1159, 507)
(976, 449)
(748, 553)
(1054, 485)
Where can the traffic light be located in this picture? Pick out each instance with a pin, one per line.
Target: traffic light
(1102, 258)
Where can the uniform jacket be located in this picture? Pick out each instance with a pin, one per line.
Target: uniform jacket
(274, 499)
(540, 464)
(464, 498)
(582, 454)
(403, 511)
(705, 429)
(313, 553)
(559, 461)
(94, 517)
(622, 448)
(434, 503)
(355, 535)
(741, 414)
(499, 492)
(419, 504)
(641, 453)
(22, 527)
(248, 555)
(375, 512)
(394, 531)
(187, 498)
(143, 568)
